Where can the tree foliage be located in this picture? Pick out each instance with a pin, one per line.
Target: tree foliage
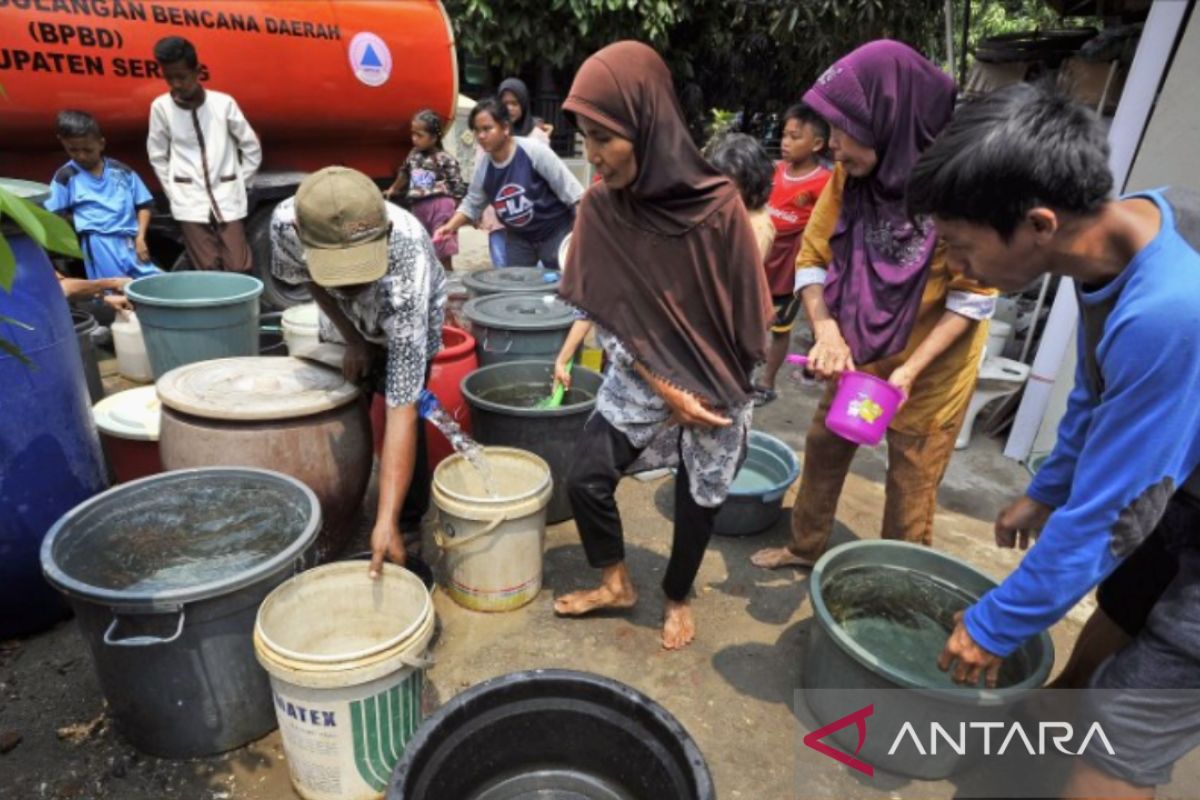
(729, 53)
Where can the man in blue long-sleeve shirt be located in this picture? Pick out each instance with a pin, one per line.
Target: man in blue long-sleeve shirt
(1019, 185)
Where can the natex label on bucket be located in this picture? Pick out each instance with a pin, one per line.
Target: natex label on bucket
(313, 716)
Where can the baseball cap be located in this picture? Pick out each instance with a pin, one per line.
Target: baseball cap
(342, 221)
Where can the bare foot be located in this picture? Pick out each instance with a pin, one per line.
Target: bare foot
(678, 626)
(776, 557)
(615, 591)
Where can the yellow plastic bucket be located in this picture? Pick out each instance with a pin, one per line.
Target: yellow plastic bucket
(347, 658)
(493, 543)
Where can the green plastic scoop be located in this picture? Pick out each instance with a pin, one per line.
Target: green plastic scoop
(556, 396)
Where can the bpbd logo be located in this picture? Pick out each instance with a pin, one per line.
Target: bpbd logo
(512, 206)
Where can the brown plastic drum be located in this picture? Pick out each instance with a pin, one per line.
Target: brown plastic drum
(321, 434)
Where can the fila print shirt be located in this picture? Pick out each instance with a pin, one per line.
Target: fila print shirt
(533, 193)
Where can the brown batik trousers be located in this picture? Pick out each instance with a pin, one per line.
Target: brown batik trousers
(916, 465)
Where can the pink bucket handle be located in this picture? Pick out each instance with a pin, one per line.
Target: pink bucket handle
(797, 359)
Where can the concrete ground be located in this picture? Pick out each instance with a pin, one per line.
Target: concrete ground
(734, 689)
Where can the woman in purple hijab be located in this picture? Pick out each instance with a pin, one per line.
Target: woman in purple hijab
(880, 296)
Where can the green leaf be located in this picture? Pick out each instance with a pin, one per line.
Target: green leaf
(8, 265)
(21, 212)
(10, 321)
(16, 353)
(49, 230)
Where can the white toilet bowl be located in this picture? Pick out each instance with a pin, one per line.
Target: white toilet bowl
(998, 377)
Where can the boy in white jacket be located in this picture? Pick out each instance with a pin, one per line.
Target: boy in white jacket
(204, 152)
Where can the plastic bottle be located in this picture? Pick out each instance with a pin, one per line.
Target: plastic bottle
(132, 361)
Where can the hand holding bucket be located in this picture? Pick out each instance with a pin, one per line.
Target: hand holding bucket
(863, 405)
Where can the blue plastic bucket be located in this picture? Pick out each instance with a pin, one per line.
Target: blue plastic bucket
(196, 316)
(755, 500)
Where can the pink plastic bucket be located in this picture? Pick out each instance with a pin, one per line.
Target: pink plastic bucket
(862, 408)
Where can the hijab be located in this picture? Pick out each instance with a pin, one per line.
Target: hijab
(520, 91)
(668, 264)
(890, 98)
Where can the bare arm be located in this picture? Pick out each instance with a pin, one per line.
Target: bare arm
(357, 360)
(457, 221)
(830, 355)
(397, 460)
(687, 409)
(579, 331)
(143, 221)
(949, 329)
(398, 186)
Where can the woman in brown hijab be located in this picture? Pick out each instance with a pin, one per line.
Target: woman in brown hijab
(664, 262)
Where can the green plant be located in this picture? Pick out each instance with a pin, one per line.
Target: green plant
(50, 231)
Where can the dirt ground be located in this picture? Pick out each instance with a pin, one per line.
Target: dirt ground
(734, 689)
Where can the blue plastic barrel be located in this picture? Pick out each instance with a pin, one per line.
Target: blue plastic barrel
(50, 458)
(196, 316)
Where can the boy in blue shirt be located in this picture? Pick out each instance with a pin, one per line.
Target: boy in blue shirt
(1019, 186)
(105, 200)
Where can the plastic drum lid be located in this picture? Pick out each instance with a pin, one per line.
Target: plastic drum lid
(513, 279)
(133, 414)
(520, 312)
(254, 388)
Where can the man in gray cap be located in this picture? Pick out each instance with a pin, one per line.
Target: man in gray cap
(373, 271)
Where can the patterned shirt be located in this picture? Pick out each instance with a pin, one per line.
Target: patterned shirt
(433, 174)
(401, 311)
(713, 456)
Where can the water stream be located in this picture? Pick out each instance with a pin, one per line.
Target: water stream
(431, 410)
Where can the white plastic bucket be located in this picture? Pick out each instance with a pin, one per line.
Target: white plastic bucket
(347, 658)
(301, 326)
(132, 361)
(493, 544)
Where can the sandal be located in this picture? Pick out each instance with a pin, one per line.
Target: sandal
(763, 396)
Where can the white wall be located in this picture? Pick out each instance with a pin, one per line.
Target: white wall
(1170, 150)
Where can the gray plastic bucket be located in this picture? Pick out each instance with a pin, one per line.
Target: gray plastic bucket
(552, 733)
(518, 326)
(196, 316)
(509, 280)
(85, 328)
(753, 505)
(165, 575)
(551, 433)
(835, 660)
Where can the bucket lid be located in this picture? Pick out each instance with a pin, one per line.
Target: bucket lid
(131, 414)
(181, 536)
(307, 315)
(254, 388)
(520, 312)
(512, 279)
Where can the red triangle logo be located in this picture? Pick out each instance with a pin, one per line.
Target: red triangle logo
(858, 719)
